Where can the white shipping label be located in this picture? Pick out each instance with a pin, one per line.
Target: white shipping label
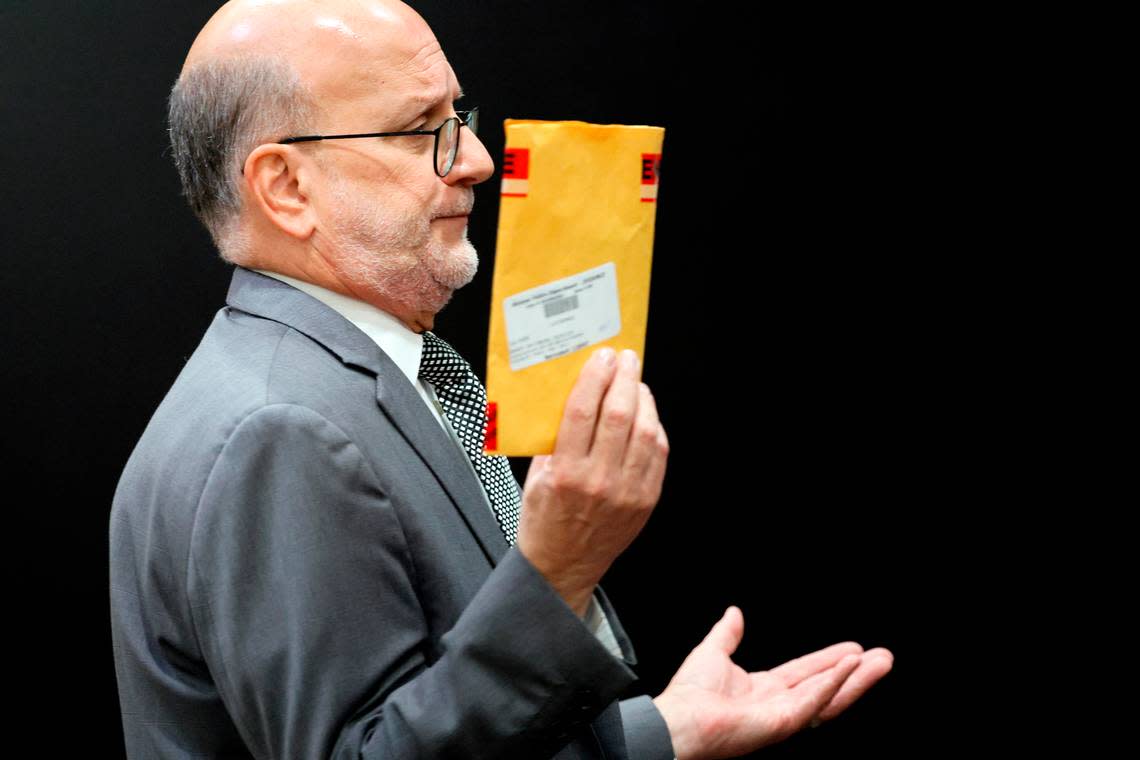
(559, 317)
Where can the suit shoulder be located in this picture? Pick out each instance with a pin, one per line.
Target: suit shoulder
(242, 364)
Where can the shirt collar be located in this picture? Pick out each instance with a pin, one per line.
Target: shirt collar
(403, 346)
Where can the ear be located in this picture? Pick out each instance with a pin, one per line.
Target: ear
(278, 179)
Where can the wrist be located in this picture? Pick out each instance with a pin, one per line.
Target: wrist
(579, 601)
(574, 588)
(678, 719)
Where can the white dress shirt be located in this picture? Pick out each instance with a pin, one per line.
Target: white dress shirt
(405, 348)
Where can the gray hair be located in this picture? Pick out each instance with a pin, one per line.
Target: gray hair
(219, 112)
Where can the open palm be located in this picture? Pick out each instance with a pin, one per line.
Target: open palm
(716, 709)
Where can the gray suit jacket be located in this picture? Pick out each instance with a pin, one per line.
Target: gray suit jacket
(303, 566)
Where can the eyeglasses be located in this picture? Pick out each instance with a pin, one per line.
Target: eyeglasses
(446, 138)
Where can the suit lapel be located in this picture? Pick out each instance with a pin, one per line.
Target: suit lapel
(405, 408)
(270, 298)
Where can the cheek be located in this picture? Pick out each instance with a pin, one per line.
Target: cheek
(413, 202)
(411, 173)
(402, 190)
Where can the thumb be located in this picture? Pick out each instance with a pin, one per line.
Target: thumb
(727, 632)
(537, 464)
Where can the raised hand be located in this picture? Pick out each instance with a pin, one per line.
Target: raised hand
(585, 503)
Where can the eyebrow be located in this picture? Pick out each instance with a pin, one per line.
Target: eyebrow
(428, 109)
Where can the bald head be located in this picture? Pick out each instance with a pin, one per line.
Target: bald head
(321, 39)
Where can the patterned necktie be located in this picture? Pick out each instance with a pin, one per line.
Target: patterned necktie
(464, 402)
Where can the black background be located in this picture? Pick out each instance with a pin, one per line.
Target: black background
(809, 388)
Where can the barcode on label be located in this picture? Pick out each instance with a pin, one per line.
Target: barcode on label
(560, 305)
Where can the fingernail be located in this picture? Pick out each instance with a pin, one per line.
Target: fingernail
(630, 358)
(607, 356)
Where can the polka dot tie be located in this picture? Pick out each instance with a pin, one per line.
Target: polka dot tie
(464, 401)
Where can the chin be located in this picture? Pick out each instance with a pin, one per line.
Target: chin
(434, 301)
(456, 267)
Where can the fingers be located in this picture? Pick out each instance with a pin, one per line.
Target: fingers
(619, 410)
(648, 446)
(874, 664)
(794, 671)
(813, 694)
(727, 632)
(576, 432)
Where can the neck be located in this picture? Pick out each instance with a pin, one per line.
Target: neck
(316, 271)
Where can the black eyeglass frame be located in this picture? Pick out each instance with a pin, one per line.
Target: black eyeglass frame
(469, 119)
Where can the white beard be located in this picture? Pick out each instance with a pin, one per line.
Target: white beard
(394, 254)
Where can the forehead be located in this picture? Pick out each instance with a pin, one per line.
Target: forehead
(396, 69)
(424, 80)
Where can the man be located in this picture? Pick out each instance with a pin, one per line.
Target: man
(310, 556)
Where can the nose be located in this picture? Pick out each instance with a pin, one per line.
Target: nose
(473, 163)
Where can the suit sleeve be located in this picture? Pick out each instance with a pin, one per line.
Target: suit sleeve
(646, 733)
(302, 587)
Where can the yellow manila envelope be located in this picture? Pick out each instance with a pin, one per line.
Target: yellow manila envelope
(572, 266)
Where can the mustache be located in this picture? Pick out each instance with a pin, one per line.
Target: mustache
(463, 210)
